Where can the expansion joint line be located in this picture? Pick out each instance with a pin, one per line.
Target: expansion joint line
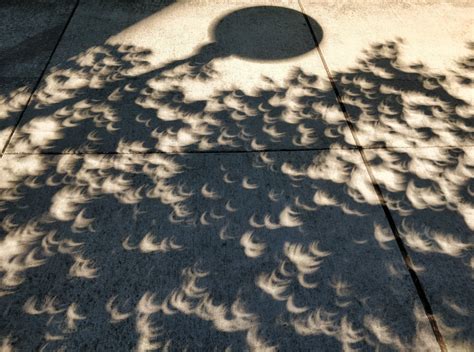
(401, 246)
(38, 81)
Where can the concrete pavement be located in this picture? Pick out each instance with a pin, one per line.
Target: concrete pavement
(237, 175)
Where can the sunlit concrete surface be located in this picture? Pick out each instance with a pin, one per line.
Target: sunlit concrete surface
(207, 74)
(416, 50)
(411, 90)
(435, 33)
(237, 175)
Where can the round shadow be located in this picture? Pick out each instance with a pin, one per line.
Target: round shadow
(266, 33)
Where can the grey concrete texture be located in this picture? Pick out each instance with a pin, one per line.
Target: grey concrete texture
(151, 104)
(30, 33)
(33, 29)
(203, 175)
(429, 193)
(122, 251)
(406, 73)
(96, 21)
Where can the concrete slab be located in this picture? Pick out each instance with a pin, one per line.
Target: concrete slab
(177, 86)
(110, 245)
(406, 69)
(432, 32)
(95, 22)
(244, 251)
(29, 32)
(429, 192)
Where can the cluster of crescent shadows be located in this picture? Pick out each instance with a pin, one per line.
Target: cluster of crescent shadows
(158, 244)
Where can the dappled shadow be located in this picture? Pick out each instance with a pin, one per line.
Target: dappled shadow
(134, 238)
(33, 29)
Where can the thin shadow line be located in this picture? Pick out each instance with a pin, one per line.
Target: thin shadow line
(418, 147)
(40, 78)
(254, 151)
(282, 150)
(401, 246)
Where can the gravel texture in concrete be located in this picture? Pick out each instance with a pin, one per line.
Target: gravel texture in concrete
(236, 175)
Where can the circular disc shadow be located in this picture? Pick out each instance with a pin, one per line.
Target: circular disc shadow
(266, 33)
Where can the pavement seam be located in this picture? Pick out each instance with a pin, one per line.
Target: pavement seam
(254, 151)
(289, 150)
(419, 147)
(38, 81)
(408, 261)
(401, 246)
